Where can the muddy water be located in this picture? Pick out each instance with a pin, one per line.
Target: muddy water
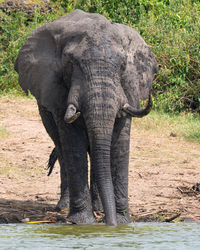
(134, 236)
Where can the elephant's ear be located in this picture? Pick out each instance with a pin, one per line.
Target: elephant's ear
(39, 67)
(139, 69)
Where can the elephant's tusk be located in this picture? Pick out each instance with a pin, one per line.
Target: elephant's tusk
(71, 115)
(138, 112)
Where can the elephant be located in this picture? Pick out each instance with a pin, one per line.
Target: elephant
(88, 76)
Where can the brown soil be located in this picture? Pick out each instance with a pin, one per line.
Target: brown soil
(163, 170)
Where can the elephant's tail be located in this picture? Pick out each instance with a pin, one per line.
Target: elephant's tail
(52, 160)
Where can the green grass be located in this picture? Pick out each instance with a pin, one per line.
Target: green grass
(4, 170)
(3, 132)
(184, 125)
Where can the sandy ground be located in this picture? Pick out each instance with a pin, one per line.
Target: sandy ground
(163, 170)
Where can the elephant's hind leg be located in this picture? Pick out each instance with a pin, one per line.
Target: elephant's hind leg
(119, 167)
(52, 130)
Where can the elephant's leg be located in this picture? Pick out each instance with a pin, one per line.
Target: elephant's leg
(75, 144)
(52, 130)
(64, 198)
(119, 166)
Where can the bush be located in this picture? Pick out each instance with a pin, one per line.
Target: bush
(170, 28)
(12, 38)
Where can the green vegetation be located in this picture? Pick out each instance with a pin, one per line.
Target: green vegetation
(4, 170)
(3, 132)
(170, 27)
(184, 125)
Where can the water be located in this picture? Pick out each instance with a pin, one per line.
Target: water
(133, 236)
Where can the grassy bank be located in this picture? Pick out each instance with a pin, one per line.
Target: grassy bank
(3, 132)
(170, 27)
(184, 126)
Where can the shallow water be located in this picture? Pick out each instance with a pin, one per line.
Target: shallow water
(133, 236)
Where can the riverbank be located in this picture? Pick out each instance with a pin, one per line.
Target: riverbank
(163, 169)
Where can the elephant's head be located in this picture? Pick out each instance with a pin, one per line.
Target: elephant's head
(86, 65)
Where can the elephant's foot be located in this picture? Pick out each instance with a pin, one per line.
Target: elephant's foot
(81, 217)
(97, 205)
(123, 218)
(63, 203)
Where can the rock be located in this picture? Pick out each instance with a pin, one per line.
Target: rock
(188, 219)
(39, 198)
(25, 220)
(173, 134)
(196, 187)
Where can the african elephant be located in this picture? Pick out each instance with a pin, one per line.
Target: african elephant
(88, 76)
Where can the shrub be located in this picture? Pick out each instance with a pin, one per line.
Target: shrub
(170, 28)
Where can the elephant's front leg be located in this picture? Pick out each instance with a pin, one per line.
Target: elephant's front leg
(119, 166)
(74, 145)
(52, 129)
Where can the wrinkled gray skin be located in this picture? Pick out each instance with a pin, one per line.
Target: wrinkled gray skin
(84, 63)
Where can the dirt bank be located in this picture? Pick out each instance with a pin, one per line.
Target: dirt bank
(163, 170)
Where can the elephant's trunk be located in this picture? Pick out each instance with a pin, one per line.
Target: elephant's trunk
(100, 118)
(100, 158)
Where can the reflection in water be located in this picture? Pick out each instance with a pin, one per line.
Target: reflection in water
(88, 230)
(132, 236)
